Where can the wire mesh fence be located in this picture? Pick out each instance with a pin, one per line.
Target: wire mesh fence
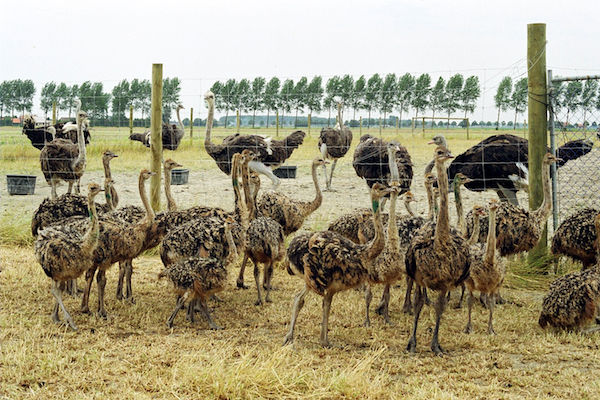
(573, 116)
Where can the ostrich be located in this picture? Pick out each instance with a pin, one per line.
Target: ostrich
(197, 278)
(573, 299)
(66, 255)
(437, 258)
(334, 144)
(576, 237)
(438, 140)
(62, 159)
(287, 212)
(264, 242)
(40, 136)
(168, 166)
(333, 263)
(517, 229)
(487, 270)
(500, 163)
(371, 162)
(171, 133)
(459, 180)
(269, 153)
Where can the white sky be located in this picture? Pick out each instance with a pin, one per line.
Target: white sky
(199, 41)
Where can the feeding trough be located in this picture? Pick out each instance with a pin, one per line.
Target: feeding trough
(179, 176)
(20, 184)
(285, 172)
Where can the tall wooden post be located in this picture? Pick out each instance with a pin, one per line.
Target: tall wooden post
(360, 125)
(53, 113)
(467, 128)
(277, 123)
(130, 120)
(237, 121)
(309, 117)
(191, 123)
(538, 125)
(156, 135)
(396, 126)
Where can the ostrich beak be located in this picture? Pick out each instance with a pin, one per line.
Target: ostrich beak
(431, 142)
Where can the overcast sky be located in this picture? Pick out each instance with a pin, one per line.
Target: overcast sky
(199, 42)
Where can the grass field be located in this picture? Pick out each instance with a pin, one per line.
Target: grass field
(134, 355)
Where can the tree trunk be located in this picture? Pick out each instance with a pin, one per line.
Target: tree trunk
(498, 120)
(369, 121)
(400, 118)
(226, 115)
(515, 123)
(296, 119)
(268, 109)
(329, 117)
(384, 118)
(448, 123)
(253, 117)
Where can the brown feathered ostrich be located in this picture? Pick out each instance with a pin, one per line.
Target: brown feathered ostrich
(518, 230)
(287, 212)
(487, 270)
(334, 143)
(197, 278)
(576, 237)
(62, 159)
(66, 255)
(40, 136)
(437, 258)
(371, 162)
(438, 140)
(123, 242)
(573, 299)
(171, 133)
(334, 263)
(269, 153)
(264, 242)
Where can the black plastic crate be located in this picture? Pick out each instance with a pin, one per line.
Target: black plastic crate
(20, 184)
(285, 172)
(179, 176)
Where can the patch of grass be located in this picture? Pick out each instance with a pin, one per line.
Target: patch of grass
(15, 229)
(134, 355)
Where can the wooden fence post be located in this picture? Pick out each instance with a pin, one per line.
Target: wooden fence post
(53, 113)
(130, 120)
(277, 123)
(309, 118)
(538, 125)
(191, 124)
(156, 135)
(360, 125)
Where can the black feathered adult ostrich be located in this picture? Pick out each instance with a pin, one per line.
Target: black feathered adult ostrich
(171, 133)
(334, 143)
(500, 163)
(39, 136)
(371, 162)
(269, 153)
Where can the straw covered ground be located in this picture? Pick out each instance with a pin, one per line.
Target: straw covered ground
(134, 355)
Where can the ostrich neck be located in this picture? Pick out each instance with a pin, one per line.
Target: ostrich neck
(241, 211)
(476, 229)
(442, 227)
(249, 199)
(490, 245)
(90, 239)
(409, 208)
(394, 174)
(340, 120)
(171, 205)
(79, 162)
(459, 209)
(149, 211)
(106, 164)
(543, 211)
(393, 238)
(232, 255)
(375, 246)
(107, 196)
(311, 206)
(428, 189)
(179, 119)
(209, 125)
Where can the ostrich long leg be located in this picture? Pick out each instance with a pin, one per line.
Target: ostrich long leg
(440, 304)
(89, 279)
(206, 313)
(70, 190)
(384, 305)
(178, 306)
(331, 174)
(261, 168)
(368, 297)
(412, 342)
(240, 280)
(101, 281)
(120, 281)
(407, 307)
(268, 274)
(257, 280)
(470, 301)
(324, 156)
(128, 274)
(298, 304)
(491, 303)
(325, 324)
(57, 292)
(53, 184)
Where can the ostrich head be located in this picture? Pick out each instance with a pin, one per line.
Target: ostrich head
(209, 97)
(78, 104)
(146, 174)
(379, 190)
(439, 140)
(409, 197)
(169, 164)
(94, 189)
(430, 179)
(248, 154)
(108, 155)
(549, 159)
(479, 210)
(318, 161)
(51, 130)
(442, 154)
(493, 205)
(179, 107)
(461, 179)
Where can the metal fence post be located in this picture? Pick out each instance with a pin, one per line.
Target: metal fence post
(553, 149)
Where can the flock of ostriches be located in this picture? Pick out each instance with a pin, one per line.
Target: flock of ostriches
(78, 236)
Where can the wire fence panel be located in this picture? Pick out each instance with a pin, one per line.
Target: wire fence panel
(574, 131)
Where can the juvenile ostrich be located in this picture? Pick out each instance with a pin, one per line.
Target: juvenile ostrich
(197, 278)
(500, 163)
(437, 258)
(66, 255)
(459, 180)
(52, 211)
(518, 230)
(573, 299)
(269, 153)
(264, 242)
(334, 144)
(371, 162)
(334, 264)
(487, 270)
(40, 136)
(62, 159)
(438, 140)
(171, 133)
(576, 237)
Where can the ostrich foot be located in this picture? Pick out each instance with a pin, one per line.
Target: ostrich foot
(325, 343)
(412, 345)
(258, 302)
(102, 314)
(491, 331)
(367, 323)
(215, 327)
(288, 339)
(216, 298)
(437, 349)
(407, 309)
(240, 285)
(468, 328)
(380, 310)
